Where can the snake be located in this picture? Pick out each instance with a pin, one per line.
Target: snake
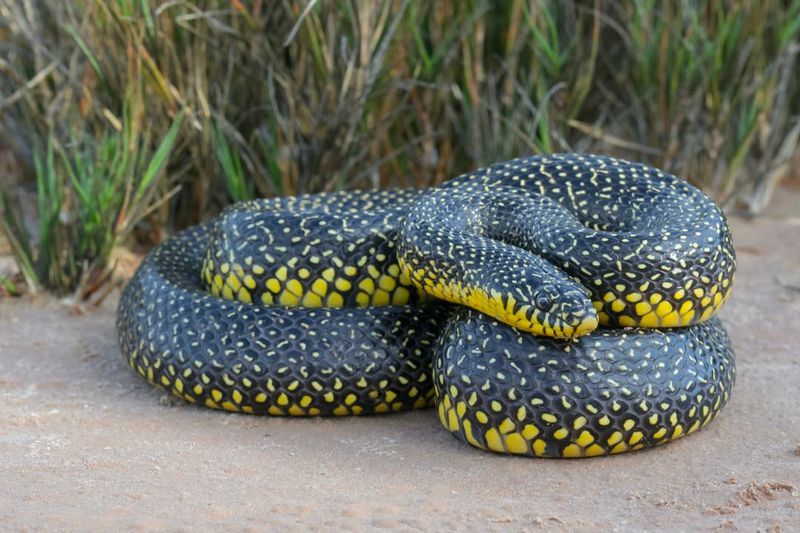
(562, 305)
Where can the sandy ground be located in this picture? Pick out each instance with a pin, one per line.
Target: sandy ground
(87, 444)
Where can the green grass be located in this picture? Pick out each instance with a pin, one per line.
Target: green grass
(91, 192)
(116, 106)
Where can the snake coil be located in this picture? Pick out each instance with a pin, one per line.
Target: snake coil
(556, 306)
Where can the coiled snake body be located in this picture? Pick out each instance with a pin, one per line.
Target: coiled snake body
(332, 304)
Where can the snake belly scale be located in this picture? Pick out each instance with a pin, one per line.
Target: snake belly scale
(481, 296)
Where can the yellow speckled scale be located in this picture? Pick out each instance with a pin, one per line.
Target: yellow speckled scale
(375, 284)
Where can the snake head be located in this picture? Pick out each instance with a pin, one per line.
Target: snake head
(535, 296)
(561, 308)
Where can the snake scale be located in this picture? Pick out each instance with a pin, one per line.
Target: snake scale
(553, 306)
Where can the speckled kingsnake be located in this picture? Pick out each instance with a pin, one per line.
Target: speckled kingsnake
(333, 315)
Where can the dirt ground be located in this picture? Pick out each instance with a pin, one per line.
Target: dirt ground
(87, 444)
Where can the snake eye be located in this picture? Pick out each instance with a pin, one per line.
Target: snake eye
(543, 302)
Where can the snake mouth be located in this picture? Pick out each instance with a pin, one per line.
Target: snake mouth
(573, 330)
(587, 325)
(565, 321)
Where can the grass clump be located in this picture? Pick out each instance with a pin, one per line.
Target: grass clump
(90, 195)
(113, 107)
